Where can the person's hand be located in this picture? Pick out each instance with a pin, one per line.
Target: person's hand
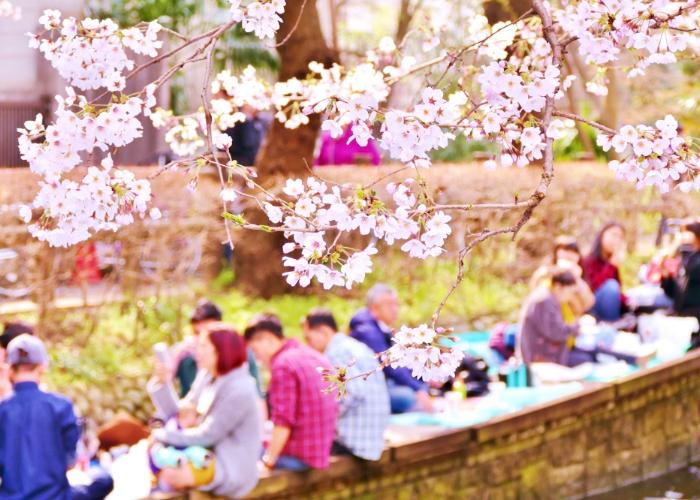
(161, 372)
(618, 256)
(424, 402)
(179, 478)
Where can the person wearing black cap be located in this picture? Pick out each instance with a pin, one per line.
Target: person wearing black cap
(10, 331)
(39, 433)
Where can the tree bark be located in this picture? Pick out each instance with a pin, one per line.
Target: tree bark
(285, 153)
(505, 10)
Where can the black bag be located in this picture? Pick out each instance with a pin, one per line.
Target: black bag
(475, 373)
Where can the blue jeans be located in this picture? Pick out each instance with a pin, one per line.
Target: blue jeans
(288, 462)
(402, 397)
(98, 489)
(608, 301)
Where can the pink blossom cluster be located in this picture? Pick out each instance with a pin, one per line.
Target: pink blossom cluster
(511, 98)
(653, 30)
(261, 17)
(9, 10)
(292, 101)
(91, 53)
(317, 216)
(419, 350)
(653, 156)
(106, 198)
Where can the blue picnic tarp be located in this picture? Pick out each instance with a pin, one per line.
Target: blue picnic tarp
(510, 399)
(494, 405)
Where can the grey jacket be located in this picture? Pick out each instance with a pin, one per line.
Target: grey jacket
(543, 332)
(231, 426)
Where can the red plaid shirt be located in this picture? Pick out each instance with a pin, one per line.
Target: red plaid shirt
(297, 401)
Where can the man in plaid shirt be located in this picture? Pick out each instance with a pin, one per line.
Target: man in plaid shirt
(303, 414)
(364, 410)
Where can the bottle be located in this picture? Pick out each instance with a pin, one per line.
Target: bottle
(460, 384)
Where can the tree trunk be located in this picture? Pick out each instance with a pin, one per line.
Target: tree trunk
(285, 153)
(505, 10)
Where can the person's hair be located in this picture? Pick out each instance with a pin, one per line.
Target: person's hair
(597, 250)
(205, 311)
(14, 329)
(563, 278)
(378, 291)
(321, 317)
(24, 367)
(230, 349)
(567, 243)
(693, 227)
(266, 322)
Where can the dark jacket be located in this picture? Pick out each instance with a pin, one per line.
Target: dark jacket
(366, 329)
(38, 437)
(246, 138)
(685, 289)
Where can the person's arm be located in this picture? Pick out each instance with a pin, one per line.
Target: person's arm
(278, 440)
(70, 431)
(284, 386)
(542, 273)
(226, 413)
(584, 298)
(669, 286)
(2, 450)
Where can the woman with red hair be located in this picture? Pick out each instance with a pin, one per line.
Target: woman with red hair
(228, 417)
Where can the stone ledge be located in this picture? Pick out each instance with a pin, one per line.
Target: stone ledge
(531, 437)
(652, 377)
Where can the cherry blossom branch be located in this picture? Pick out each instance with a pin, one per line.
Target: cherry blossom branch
(547, 170)
(460, 53)
(579, 118)
(294, 28)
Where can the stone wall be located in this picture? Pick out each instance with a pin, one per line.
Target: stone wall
(595, 441)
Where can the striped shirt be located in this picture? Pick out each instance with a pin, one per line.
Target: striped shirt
(298, 401)
(364, 410)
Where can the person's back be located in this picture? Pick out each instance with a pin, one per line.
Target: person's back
(298, 400)
(38, 437)
(364, 410)
(543, 333)
(365, 328)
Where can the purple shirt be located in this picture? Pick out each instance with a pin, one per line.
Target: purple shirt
(339, 152)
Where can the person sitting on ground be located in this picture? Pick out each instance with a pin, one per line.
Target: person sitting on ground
(226, 400)
(302, 411)
(11, 330)
(185, 365)
(39, 434)
(544, 335)
(567, 257)
(372, 326)
(684, 289)
(600, 270)
(364, 408)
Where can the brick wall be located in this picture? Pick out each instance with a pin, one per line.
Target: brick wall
(603, 438)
